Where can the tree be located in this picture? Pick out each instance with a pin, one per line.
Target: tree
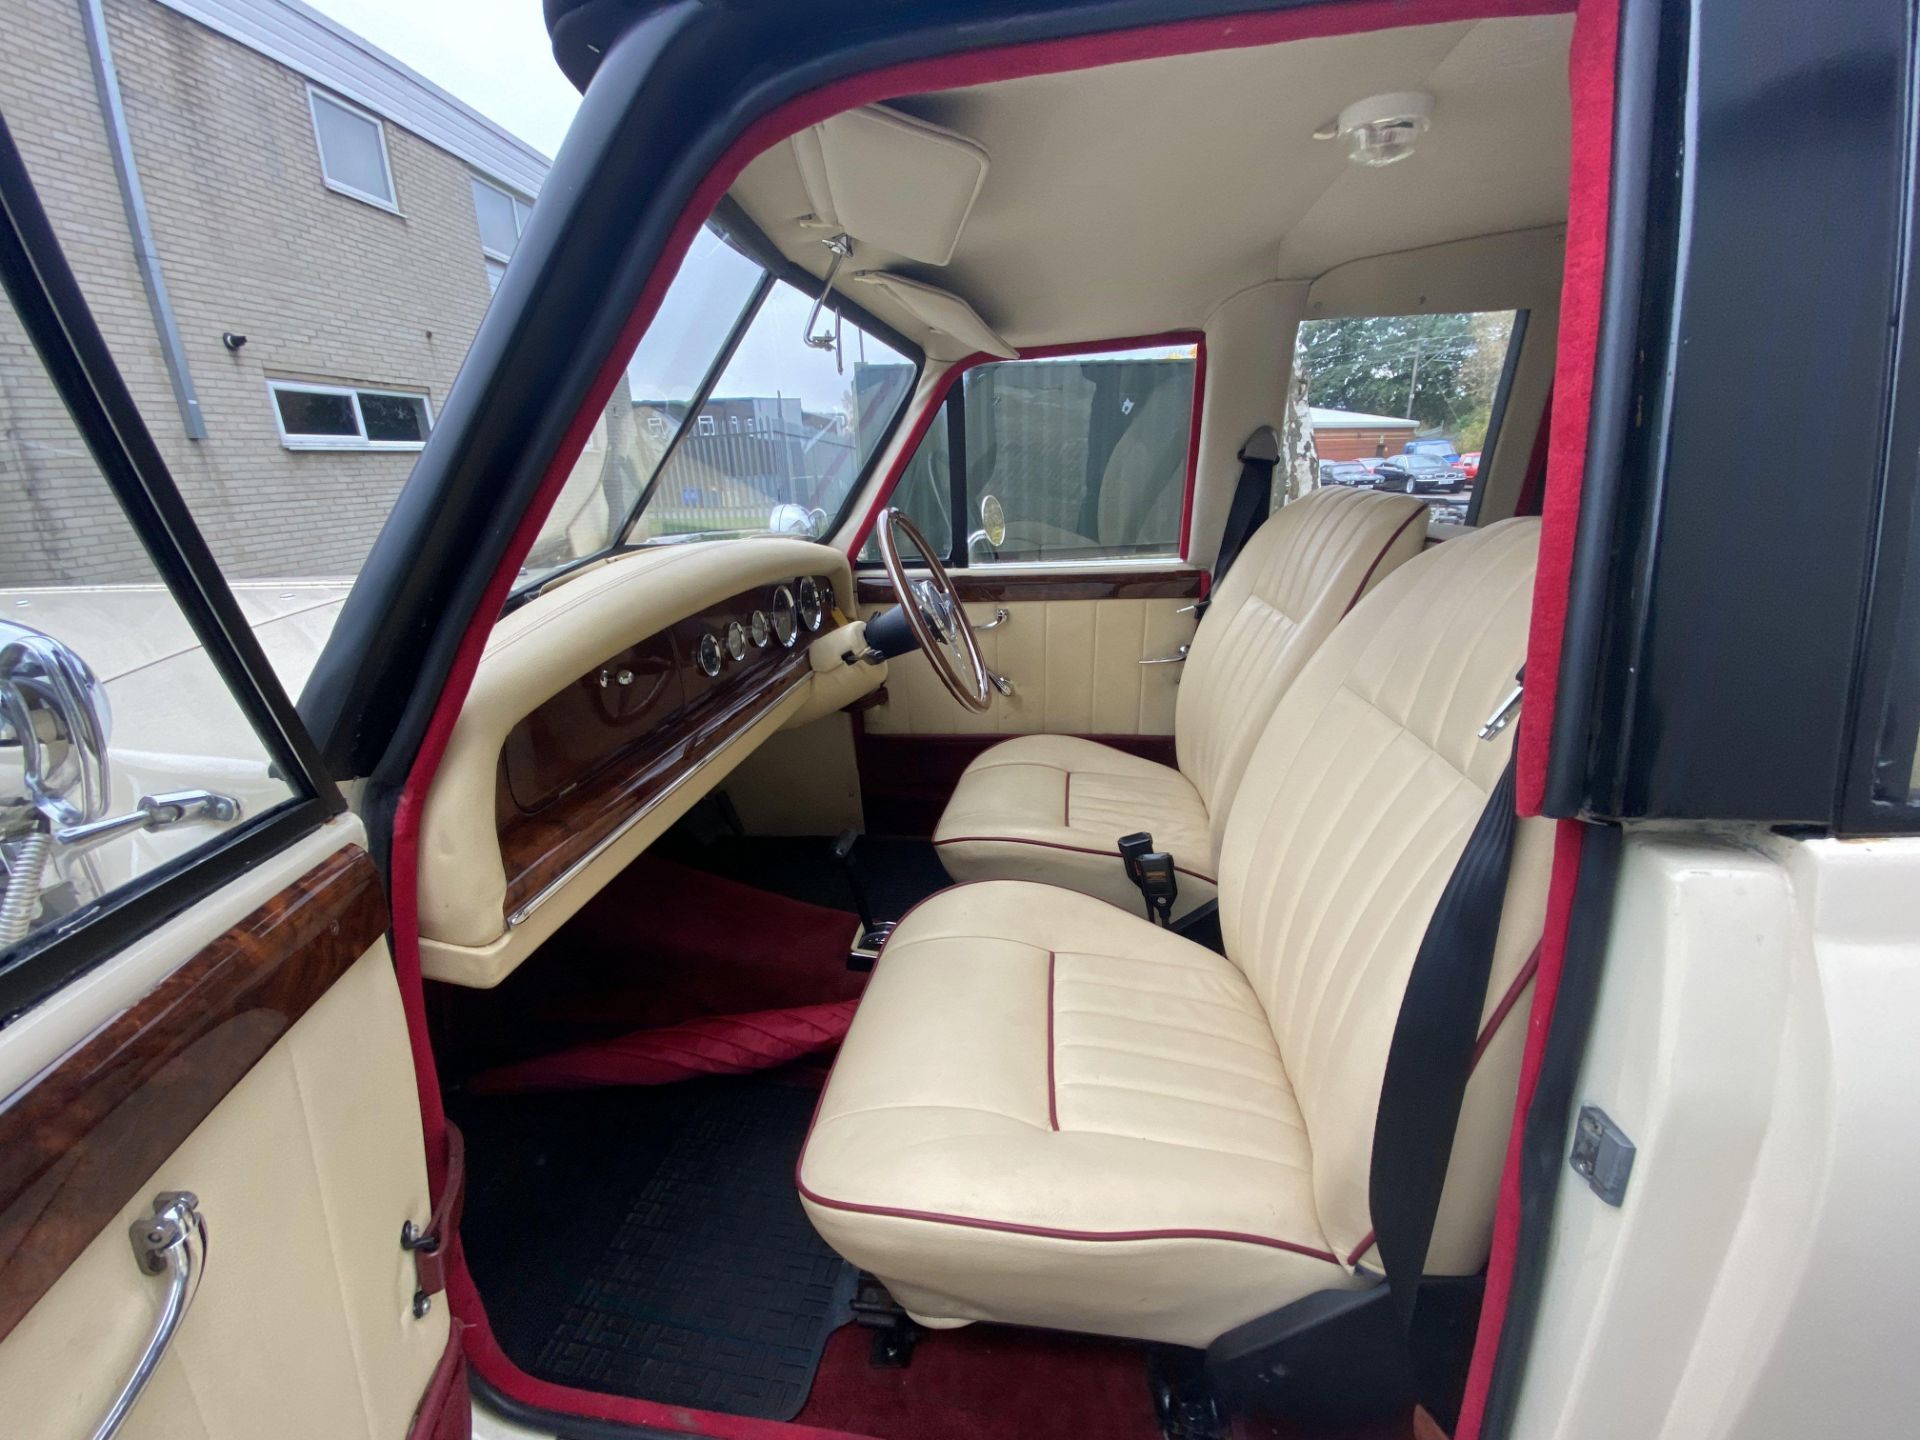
(1439, 370)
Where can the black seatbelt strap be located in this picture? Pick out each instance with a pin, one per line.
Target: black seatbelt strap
(1252, 497)
(1428, 1063)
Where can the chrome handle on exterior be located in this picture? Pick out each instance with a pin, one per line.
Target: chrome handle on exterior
(1000, 617)
(172, 1243)
(1178, 657)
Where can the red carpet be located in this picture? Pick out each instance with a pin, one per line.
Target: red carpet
(985, 1382)
(715, 1045)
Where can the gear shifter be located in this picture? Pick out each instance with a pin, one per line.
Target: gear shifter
(873, 934)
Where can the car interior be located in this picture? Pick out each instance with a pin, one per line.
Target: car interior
(931, 972)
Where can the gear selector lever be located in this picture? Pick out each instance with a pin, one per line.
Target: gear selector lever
(873, 933)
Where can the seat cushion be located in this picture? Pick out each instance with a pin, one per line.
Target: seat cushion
(1050, 1112)
(1053, 807)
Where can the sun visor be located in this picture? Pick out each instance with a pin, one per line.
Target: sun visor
(891, 181)
(940, 311)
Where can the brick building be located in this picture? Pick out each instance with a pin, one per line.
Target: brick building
(302, 190)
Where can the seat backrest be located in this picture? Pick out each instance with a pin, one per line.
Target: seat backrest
(1357, 802)
(1300, 572)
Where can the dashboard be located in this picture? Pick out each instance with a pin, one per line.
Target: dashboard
(601, 711)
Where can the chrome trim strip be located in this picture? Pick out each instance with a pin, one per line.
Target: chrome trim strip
(559, 882)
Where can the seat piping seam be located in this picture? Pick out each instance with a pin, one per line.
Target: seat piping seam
(1053, 1091)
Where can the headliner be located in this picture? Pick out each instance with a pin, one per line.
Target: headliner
(1133, 199)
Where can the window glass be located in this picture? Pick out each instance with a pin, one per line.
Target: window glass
(700, 309)
(499, 217)
(326, 417)
(785, 433)
(73, 571)
(1087, 454)
(1410, 396)
(924, 491)
(353, 151)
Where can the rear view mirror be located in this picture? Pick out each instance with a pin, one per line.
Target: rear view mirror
(54, 724)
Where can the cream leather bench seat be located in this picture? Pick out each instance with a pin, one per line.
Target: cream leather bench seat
(1053, 807)
(1050, 1112)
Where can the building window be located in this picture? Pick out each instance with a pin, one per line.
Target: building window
(708, 426)
(353, 151)
(502, 216)
(333, 417)
(496, 272)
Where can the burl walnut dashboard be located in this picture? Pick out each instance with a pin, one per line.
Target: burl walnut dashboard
(600, 712)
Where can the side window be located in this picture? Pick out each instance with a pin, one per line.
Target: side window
(353, 150)
(1087, 454)
(122, 748)
(1087, 457)
(1407, 403)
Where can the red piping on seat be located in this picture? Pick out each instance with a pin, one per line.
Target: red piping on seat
(1361, 589)
(1047, 1232)
(1052, 845)
(1053, 1091)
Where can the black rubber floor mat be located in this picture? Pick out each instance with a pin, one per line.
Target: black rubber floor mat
(670, 1258)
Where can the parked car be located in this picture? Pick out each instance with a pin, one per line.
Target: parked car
(1371, 463)
(1470, 465)
(1438, 446)
(1345, 472)
(1416, 473)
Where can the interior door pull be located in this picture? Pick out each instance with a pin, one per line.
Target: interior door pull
(172, 1243)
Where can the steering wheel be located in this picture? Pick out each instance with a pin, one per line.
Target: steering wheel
(934, 613)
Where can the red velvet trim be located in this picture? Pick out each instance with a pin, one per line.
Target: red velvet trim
(1008, 1227)
(1568, 839)
(1361, 589)
(951, 376)
(1596, 35)
(1053, 1090)
(936, 73)
(712, 1045)
(446, 1409)
(1051, 845)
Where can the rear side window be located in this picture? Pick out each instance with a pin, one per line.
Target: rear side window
(1414, 398)
(1085, 456)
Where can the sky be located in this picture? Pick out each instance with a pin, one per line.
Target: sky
(493, 54)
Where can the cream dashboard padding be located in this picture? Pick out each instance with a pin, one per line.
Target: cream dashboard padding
(837, 682)
(302, 1328)
(532, 655)
(1050, 1112)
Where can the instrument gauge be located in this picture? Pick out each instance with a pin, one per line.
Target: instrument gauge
(786, 617)
(812, 613)
(762, 630)
(709, 655)
(736, 640)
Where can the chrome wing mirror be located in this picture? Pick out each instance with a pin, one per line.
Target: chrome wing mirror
(992, 533)
(55, 714)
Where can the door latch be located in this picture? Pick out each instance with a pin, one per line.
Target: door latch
(1602, 1154)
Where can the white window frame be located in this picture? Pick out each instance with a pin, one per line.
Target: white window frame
(520, 206)
(353, 394)
(391, 204)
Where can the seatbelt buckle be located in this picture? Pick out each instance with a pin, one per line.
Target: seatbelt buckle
(1132, 847)
(1158, 885)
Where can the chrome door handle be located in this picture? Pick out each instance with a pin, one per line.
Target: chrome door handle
(172, 1243)
(1174, 659)
(1000, 617)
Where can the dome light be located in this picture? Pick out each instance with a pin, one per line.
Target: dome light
(1382, 129)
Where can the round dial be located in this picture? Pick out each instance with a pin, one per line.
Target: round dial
(762, 630)
(736, 640)
(786, 621)
(709, 654)
(812, 614)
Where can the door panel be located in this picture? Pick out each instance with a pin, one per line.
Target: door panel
(1071, 645)
(271, 1075)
